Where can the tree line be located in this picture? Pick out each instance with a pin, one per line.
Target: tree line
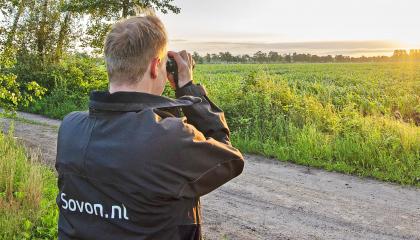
(275, 57)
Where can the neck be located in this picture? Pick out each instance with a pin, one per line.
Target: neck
(141, 86)
(126, 88)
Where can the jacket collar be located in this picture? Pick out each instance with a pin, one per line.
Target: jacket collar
(135, 101)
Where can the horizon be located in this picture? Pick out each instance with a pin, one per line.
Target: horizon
(346, 48)
(353, 28)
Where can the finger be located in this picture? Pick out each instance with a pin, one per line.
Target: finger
(184, 55)
(190, 59)
(171, 80)
(176, 56)
(193, 63)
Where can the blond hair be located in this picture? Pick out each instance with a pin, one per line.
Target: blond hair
(131, 45)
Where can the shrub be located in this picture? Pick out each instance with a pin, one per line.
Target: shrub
(12, 92)
(69, 83)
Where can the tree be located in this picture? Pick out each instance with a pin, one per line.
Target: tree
(288, 58)
(260, 57)
(246, 58)
(400, 54)
(20, 5)
(225, 57)
(43, 31)
(197, 58)
(274, 56)
(47, 28)
(301, 57)
(39, 27)
(64, 31)
(207, 58)
(329, 58)
(103, 13)
(414, 54)
(214, 57)
(341, 58)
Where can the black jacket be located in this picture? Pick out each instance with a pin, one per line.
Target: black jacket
(131, 168)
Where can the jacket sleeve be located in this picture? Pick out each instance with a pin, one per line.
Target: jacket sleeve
(205, 158)
(205, 116)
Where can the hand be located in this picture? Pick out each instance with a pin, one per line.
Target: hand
(185, 64)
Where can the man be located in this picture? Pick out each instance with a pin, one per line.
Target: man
(131, 167)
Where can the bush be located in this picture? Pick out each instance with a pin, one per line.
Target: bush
(12, 92)
(69, 83)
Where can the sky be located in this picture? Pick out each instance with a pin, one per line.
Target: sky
(352, 27)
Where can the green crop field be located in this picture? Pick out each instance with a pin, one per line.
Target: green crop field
(354, 118)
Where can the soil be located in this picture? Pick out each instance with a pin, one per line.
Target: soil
(276, 200)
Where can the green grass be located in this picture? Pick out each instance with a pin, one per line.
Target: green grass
(360, 119)
(27, 194)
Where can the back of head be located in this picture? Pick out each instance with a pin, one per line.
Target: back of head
(131, 45)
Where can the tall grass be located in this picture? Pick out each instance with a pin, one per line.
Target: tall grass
(340, 117)
(27, 193)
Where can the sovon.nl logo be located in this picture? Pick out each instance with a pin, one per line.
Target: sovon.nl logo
(73, 205)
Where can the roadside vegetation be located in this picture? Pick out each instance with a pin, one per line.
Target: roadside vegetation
(27, 193)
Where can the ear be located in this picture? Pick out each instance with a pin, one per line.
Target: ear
(154, 67)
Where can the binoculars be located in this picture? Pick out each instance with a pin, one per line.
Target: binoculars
(172, 68)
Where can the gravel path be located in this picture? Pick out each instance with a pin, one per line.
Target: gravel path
(276, 200)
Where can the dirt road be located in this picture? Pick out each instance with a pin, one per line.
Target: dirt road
(276, 200)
